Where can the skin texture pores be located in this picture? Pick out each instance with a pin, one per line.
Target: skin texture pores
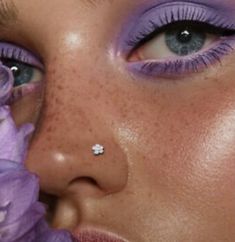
(168, 172)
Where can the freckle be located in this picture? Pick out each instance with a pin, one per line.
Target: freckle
(49, 129)
(156, 124)
(186, 124)
(216, 80)
(56, 119)
(59, 87)
(59, 147)
(171, 140)
(101, 86)
(53, 71)
(58, 101)
(49, 138)
(97, 95)
(54, 59)
(150, 195)
(165, 156)
(124, 116)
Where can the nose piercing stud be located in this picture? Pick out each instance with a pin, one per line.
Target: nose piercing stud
(98, 149)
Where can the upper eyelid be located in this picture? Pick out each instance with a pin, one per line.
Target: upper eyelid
(10, 50)
(221, 10)
(206, 27)
(192, 11)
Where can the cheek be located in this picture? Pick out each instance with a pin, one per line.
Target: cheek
(185, 139)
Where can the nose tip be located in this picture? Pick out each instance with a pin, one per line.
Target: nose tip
(103, 171)
(85, 172)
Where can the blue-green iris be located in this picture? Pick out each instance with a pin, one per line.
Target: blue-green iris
(185, 40)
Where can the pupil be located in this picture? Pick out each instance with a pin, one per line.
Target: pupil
(184, 36)
(15, 70)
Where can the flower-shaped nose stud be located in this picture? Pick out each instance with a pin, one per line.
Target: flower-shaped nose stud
(98, 149)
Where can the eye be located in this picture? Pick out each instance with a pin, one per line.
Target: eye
(176, 40)
(184, 40)
(26, 69)
(23, 73)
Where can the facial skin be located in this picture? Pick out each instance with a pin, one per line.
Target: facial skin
(168, 172)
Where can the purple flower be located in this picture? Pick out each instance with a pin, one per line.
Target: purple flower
(22, 216)
(6, 84)
(13, 140)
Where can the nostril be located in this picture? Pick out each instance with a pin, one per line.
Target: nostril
(85, 187)
(86, 180)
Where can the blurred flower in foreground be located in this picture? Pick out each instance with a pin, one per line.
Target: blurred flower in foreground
(22, 216)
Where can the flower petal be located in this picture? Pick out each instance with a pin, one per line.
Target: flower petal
(6, 83)
(21, 215)
(20, 190)
(21, 227)
(6, 165)
(13, 141)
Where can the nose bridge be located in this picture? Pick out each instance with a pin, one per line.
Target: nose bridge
(74, 120)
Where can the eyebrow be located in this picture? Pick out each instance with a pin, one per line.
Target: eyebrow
(8, 12)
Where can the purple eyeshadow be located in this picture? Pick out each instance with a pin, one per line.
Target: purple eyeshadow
(152, 18)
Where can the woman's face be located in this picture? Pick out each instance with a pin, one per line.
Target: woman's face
(160, 98)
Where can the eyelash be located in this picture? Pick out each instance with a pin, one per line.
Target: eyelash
(13, 52)
(191, 63)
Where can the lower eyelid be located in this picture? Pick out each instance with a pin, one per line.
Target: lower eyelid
(186, 65)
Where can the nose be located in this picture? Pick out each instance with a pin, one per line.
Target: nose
(80, 171)
(77, 115)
